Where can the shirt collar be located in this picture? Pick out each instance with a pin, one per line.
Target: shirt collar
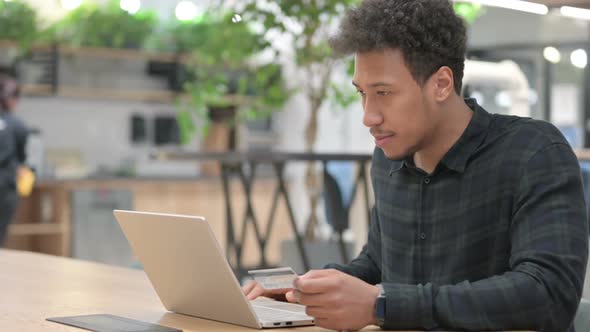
(460, 153)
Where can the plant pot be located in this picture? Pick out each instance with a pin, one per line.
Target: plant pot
(222, 114)
(220, 137)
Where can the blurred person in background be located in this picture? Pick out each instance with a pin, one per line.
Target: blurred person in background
(13, 140)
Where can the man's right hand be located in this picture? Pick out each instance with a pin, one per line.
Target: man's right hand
(254, 290)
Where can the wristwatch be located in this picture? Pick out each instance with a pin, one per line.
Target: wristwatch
(380, 306)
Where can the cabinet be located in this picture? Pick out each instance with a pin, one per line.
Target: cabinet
(95, 234)
(42, 222)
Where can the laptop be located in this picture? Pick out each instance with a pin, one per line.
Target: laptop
(191, 276)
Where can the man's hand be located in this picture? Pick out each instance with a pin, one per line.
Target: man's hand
(336, 300)
(253, 290)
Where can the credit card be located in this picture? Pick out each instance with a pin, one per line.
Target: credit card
(278, 278)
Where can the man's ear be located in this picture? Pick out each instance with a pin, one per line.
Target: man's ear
(442, 83)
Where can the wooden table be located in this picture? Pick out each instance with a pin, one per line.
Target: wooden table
(35, 286)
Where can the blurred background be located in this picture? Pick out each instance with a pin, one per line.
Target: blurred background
(239, 112)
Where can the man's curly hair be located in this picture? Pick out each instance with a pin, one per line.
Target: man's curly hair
(428, 33)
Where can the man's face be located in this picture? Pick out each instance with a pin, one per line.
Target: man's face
(396, 108)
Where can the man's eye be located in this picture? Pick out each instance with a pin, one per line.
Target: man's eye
(383, 93)
(362, 93)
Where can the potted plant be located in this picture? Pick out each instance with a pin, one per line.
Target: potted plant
(105, 26)
(20, 28)
(92, 25)
(224, 82)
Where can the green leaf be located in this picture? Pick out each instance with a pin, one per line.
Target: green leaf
(226, 50)
(18, 22)
(186, 126)
(105, 26)
(468, 11)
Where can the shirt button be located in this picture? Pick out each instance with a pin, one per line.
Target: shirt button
(427, 180)
(422, 236)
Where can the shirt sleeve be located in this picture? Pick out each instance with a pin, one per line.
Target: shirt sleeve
(549, 251)
(367, 265)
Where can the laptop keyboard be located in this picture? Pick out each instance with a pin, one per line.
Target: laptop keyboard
(275, 311)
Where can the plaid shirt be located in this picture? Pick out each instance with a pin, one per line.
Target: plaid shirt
(496, 238)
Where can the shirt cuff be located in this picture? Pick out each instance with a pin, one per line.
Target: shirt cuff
(408, 306)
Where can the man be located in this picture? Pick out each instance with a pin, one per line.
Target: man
(479, 220)
(13, 139)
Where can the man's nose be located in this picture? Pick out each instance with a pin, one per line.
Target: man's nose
(371, 116)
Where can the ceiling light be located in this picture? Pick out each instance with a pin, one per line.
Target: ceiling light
(552, 54)
(130, 6)
(503, 99)
(186, 11)
(579, 58)
(71, 4)
(575, 12)
(481, 99)
(525, 6)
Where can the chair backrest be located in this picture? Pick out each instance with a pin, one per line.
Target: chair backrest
(582, 320)
(336, 210)
(585, 168)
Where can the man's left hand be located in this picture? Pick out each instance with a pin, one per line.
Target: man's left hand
(336, 300)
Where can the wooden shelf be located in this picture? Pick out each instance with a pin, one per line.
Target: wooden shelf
(37, 89)
(36, 229)
(106, 53)
(7, 43)
(124, 54)
(161, 96)
(158, 96)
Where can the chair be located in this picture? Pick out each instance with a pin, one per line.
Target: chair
(585, 168)
(337, 211)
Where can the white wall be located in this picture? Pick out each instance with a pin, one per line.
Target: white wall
(100, 131)
(503, 26)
